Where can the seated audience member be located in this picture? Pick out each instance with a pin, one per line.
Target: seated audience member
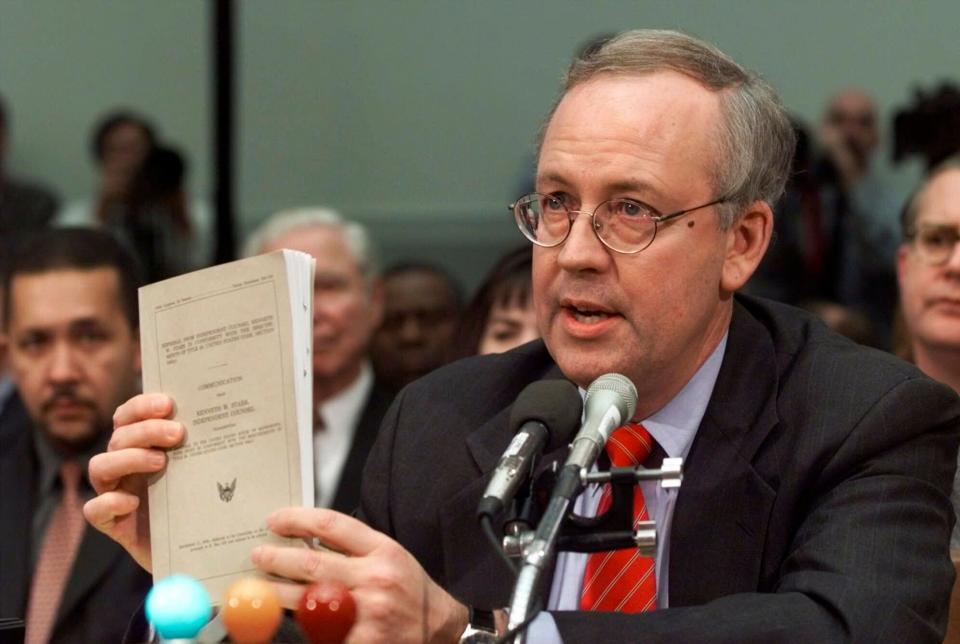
(867, 205)
(158, 222)
(70, 332)
(928, 270)
(348, 400)
(24, 206)
(119, 145)
(815, 498)
(140, 191)
(500, 316)
(845, 321)
(421, 308)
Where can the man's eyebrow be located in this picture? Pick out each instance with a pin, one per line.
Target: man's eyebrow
(87, 323)
(624, 185)
(552, 177)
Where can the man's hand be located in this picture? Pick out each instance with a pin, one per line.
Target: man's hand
(396, 599)
(141, 434)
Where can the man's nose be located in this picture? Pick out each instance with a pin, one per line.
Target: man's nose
(410, 329)
(953, 261)
(583, 250)
(64, 364)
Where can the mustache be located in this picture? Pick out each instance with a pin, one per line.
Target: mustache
(66, 396)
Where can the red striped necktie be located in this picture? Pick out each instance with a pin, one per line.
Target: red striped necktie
(622, 580)
(57, 554)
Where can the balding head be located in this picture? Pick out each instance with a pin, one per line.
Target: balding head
(852, 113)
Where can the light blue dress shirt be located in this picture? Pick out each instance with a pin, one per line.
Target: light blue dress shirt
(674, 428)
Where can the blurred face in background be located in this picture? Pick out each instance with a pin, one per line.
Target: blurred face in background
(852, 115)
(346, 310)
(420, 318)
(930, 293)
(512, 322)
(73, 354)
(122, 154)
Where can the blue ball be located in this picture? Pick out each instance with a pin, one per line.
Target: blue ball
(178, 607)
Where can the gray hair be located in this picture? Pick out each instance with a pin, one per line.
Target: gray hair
(354, 234)
(908, 216)
(756, 140)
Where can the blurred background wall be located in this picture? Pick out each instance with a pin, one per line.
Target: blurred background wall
(417, 117)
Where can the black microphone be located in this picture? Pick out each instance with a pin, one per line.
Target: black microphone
(546, 412)
(611, 401)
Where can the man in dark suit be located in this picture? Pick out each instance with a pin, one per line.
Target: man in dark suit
(348, 400)
(70, 332)
(814, 505)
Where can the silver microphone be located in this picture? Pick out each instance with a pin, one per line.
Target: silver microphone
(610, 402)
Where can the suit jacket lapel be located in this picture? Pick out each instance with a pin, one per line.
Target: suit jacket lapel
(96, 556)
(724, 505)
(469, 567)
(17, 477)
(347, 497)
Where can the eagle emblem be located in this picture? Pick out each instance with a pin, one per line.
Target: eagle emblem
(226, 490)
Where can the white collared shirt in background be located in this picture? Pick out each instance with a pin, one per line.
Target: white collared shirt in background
(331, 445)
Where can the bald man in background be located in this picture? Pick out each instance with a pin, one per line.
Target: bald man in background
(348, 401)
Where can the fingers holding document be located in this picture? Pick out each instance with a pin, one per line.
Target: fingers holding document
(137, 448)
(396, 599)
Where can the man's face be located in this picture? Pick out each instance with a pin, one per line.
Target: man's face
(853, 116)
(930, 295)
(345, 310)
(420, 318)
(124, 149)
(510, 323)
(656, 315)
(73, 355)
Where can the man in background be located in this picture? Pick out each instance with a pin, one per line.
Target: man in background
(70, 332)
(347, 308)
(421, 309)
(864, 201)
(928, 271)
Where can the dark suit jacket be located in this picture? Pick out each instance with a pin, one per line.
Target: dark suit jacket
(814, 508)
(347, 497)
(106, 585)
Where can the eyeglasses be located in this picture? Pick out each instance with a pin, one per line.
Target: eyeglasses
(934, 242)
(622, 225)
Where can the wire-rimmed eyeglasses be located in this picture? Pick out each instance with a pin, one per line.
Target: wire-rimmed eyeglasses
(934, 243)
(622, 225)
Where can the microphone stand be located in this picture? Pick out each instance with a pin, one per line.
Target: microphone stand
(538, 548)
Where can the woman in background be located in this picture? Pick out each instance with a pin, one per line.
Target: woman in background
(501, 316)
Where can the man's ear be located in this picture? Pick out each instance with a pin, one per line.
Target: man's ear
(902, 252)
(4, 344)
(747, 241)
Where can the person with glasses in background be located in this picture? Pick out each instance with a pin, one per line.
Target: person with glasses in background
(815, 501)
(928, 270)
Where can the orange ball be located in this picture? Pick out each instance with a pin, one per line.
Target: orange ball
(251, 611)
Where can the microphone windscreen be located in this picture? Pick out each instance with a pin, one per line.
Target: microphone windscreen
(555, 403)
(613, 389)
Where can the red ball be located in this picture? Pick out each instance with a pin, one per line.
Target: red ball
(326, 612)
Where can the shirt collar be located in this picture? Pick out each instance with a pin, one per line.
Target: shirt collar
(675, 425)
(341, 412)
(50, 459)
(6, 391)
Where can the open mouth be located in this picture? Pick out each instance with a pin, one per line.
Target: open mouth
(587, 312)
(587, 316)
